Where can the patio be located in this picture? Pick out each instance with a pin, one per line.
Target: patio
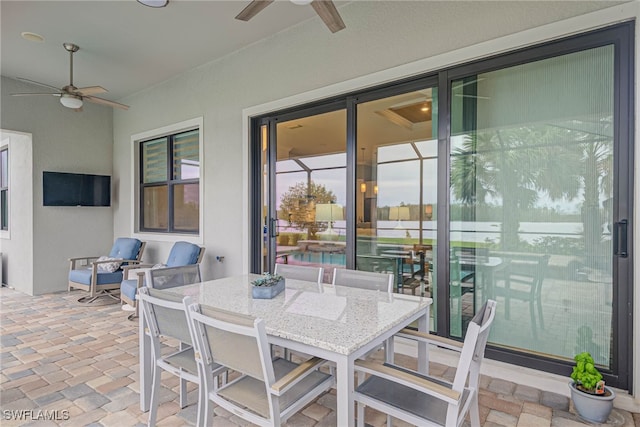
(79, 364)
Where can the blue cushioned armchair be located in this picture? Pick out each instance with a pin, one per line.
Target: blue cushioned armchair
(182, 253)
(99, 282)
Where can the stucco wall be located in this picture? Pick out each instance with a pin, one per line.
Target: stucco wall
(63, 141)
(379, 35)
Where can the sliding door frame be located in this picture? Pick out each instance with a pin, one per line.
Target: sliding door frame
(622, 37)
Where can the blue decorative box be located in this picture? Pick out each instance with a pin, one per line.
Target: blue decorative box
(267, 292)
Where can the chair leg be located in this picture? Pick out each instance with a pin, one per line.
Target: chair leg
(208, 411)
(155, 391)
(183, 384)
(474, 411)
(360, 415)
(183, 393)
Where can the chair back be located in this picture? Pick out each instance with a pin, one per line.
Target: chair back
(363, 279)
(475, 342)
(299, 272)
(165, 315)
(236, 341)
(184, 253)
(127, 248)
(171, 277)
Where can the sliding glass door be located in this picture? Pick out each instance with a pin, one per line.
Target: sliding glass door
(306, 198)
(536, 219)
(508, 178)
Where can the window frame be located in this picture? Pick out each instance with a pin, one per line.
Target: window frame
(4, 228)
(137, 141)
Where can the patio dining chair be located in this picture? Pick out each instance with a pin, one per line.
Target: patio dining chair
(181, 254)
(300, 272)
(423, 400)
(268, 391)
(166, 318)
(521, 280)
(363, 279)
(101, 276)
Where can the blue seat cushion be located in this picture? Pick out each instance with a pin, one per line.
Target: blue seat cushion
(125, 248)
(129, 288)
(103, 277)
(183, 253)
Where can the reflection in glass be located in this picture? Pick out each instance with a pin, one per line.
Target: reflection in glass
(154, 160)
(531, 203)
(396, 168)
(311, 192)
(156, 214)
(186, 202)
(186, 156)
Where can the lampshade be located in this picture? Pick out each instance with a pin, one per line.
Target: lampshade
(154, 3)
(301, 2)
(398, 213)
(428, 209)
(329, 212)
(71, 101)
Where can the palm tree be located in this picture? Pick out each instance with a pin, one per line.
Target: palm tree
(510, 167)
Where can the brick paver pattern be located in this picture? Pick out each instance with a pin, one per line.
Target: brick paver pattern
(79, 364)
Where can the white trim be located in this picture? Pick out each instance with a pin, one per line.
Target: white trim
(5, 143)
(198, 123)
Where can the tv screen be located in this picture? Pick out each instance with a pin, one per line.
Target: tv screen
(74, 189)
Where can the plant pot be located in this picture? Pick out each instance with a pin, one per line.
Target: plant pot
(592, 407)
(267, 292)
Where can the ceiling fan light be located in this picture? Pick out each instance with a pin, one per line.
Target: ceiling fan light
(71, 101)
(154, 3)
(301, 2)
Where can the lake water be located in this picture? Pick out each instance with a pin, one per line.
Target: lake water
(466, 230)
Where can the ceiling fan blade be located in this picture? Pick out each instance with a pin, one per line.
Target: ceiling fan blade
(90, 90)
(29, 94)
(329, 14)
(97, 100)
(37, 83)
(253, 9)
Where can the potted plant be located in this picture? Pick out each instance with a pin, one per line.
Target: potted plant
(267, 286)
(591, 398)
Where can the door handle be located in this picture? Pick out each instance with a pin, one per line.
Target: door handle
(620, 239)
(273, 225)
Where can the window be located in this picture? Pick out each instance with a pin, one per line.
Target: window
(4, 189)
(170, 183)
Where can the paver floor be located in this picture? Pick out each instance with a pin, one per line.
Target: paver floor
(78, 364)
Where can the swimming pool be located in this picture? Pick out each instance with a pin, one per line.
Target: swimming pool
(320, 257)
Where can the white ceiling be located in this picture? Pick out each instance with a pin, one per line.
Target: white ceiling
(126, 47)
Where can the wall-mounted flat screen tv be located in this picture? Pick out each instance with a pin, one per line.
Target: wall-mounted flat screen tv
(75, 189)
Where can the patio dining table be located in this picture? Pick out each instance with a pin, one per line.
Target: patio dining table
(339, 324)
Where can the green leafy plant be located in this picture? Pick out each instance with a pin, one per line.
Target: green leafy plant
(585, 374)
(267, 280)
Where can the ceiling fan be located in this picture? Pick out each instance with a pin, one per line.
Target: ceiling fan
(324, 8)
(71, 96)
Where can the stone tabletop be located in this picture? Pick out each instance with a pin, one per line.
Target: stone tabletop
(338, 319)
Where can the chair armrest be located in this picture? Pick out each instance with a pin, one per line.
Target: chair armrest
(74, 261)
(292, 378)
(405, 378)
(83, 257)
(135, 266)
(431, 339)
(134, 271)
